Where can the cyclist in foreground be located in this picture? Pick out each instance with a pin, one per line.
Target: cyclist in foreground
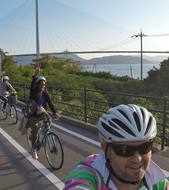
(126, 133)
(6, 90)
(39, 99)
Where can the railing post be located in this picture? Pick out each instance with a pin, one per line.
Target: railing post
(85, 105)
(164, 124)
(25, 86)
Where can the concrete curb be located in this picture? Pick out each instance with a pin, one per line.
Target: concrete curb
(78, 123)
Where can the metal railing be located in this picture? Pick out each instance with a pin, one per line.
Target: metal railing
(87, 105)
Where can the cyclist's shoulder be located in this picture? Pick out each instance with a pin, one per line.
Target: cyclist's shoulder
(46, 95)
(161, 185)
(84, 175)
(86, 163)
(156, 177)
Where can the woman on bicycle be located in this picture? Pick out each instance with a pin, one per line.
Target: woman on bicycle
(39, 99)
(6, 90)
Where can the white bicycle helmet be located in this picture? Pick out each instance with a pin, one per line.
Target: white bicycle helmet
(39, 79)
(127, 123)
(5, 77)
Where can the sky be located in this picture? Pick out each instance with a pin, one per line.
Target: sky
(84, 25)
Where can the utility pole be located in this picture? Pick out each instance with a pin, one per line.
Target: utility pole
(37, 31)
(131, 71)
(141, 35)
(94, 68)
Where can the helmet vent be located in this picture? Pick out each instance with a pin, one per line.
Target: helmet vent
(123, 126)
(148, 125)
(110, 130)
(142, 114)
(124, 114)
(137, 121)
(112, 124)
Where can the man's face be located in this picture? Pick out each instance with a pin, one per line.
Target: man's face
(131, 168)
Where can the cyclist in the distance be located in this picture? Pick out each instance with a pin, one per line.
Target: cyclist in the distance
(39, 99)
(126, 133)
(6, 90)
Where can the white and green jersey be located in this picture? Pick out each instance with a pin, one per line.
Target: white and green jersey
(92, 175)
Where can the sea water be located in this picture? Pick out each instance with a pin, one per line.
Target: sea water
(133, 70)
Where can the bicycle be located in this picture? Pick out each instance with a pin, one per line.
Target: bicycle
(51, 143)
(10, 110)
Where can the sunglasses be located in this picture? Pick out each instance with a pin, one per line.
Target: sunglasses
(128, 150)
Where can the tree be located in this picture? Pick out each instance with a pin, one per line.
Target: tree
(2, 56)
(157, 81)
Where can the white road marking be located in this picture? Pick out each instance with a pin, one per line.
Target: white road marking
(51, 177)
(96, 143)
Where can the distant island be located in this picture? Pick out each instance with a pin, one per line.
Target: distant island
(114, 59)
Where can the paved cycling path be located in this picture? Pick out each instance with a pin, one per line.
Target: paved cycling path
(75, 149)
(16, 172)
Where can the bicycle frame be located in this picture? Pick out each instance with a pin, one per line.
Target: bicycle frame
(45, 130)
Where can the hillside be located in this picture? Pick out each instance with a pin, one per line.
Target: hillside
(115, 59)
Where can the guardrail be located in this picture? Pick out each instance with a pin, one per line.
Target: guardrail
(87, 105)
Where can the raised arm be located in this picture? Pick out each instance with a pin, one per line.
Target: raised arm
(37, 70)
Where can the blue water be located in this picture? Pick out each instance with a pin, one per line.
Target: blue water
(133, 70)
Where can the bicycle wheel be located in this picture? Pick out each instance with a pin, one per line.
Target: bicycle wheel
(13, 114)
(4, 112)
(1, 105)
(54, 151)
(28, 138)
